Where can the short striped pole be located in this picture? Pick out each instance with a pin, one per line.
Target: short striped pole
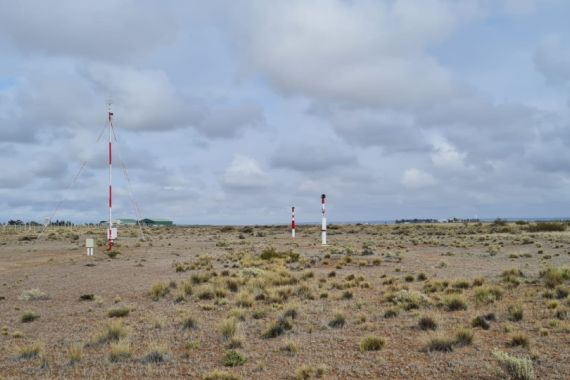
(293, 222)
(324, 221)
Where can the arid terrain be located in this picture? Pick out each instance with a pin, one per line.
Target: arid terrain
(433, 301)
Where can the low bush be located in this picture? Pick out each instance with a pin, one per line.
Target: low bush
(516, 368)
(371, 343)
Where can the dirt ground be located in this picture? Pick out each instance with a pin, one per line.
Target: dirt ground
(365, 271)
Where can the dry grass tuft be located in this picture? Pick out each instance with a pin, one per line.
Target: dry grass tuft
(516, 368)
(34, 295)
(371, 343)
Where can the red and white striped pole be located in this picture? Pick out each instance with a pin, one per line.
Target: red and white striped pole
(293, 222)
(110, 231)
(324, 221)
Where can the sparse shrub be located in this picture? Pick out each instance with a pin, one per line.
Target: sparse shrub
(488, 295)
(112, 332)
(74, 353)
(391, 313)
(220, 375)
(408, 299)
(119, 351)
(291, 311)
(277, 328)
(555, 276)
(155, 354)
(206, 292)
(158, 290)
(464, 337)
(338, 321)
(422, 277)
(427, 323)
(304, 372)
(516, 368)
(87, 297)
(346, 295)
(189, 322)
(229, 328)
(118, 312)
(561, 292)
(30, 351)
(480, 321)
(460, 284)
(233, 358)
(439, 343)
(409, 278)
(290, 346)
(200, 278)
(34, 295)
(244, 299)
(455, 303)
(515, 313)
(519, 339)
(546, 227)
(371, 343)
(29, 316)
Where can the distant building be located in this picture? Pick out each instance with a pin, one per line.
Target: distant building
(126, 222)
(157, 222)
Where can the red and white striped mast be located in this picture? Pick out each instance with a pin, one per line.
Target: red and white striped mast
(324, 221)
(110, 231)
(293, 222)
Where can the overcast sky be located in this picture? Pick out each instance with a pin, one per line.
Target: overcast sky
(231, 111)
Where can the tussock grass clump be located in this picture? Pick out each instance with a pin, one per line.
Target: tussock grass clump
(29, 316)
(488, 295)
(428, 322)
(112, 332)
(200, 278)
(34, 295)
(158, 290)
(233, 358)
(206, 292)
(277, 328)
(220, 375)
(244, 299)
(30, 351)
(439, 343)
(156, 353)
(555, 276)
(87, 297)
(271, 253)
(455, 303)
(519, 339)
(371, 343)
(546, 227)
(516, 368)
(408, 299)
(515, 313)
(119, 351)
(118, 312)
(338, 321)
(464, 337)
(290, 346)
(189, 322)
(291, 311)
(229, 328)
(186, 288)
(304, 372)
(74, 353)
(391, 313)
(480, 321)
(460, 284)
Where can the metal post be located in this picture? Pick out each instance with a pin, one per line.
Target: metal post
(324, 221)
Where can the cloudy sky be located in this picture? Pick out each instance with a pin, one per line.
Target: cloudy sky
(231, 111)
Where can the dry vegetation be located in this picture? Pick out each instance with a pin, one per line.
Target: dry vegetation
(455, 301)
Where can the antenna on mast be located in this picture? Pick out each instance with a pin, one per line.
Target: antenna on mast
(112, 232)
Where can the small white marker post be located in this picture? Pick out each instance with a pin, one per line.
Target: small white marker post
(324, 222)
(89, 243)
(293, 222)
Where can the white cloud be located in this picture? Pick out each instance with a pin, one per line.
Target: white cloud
(245, 173)
(446, 156)
(364, 52)
(417, 179)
